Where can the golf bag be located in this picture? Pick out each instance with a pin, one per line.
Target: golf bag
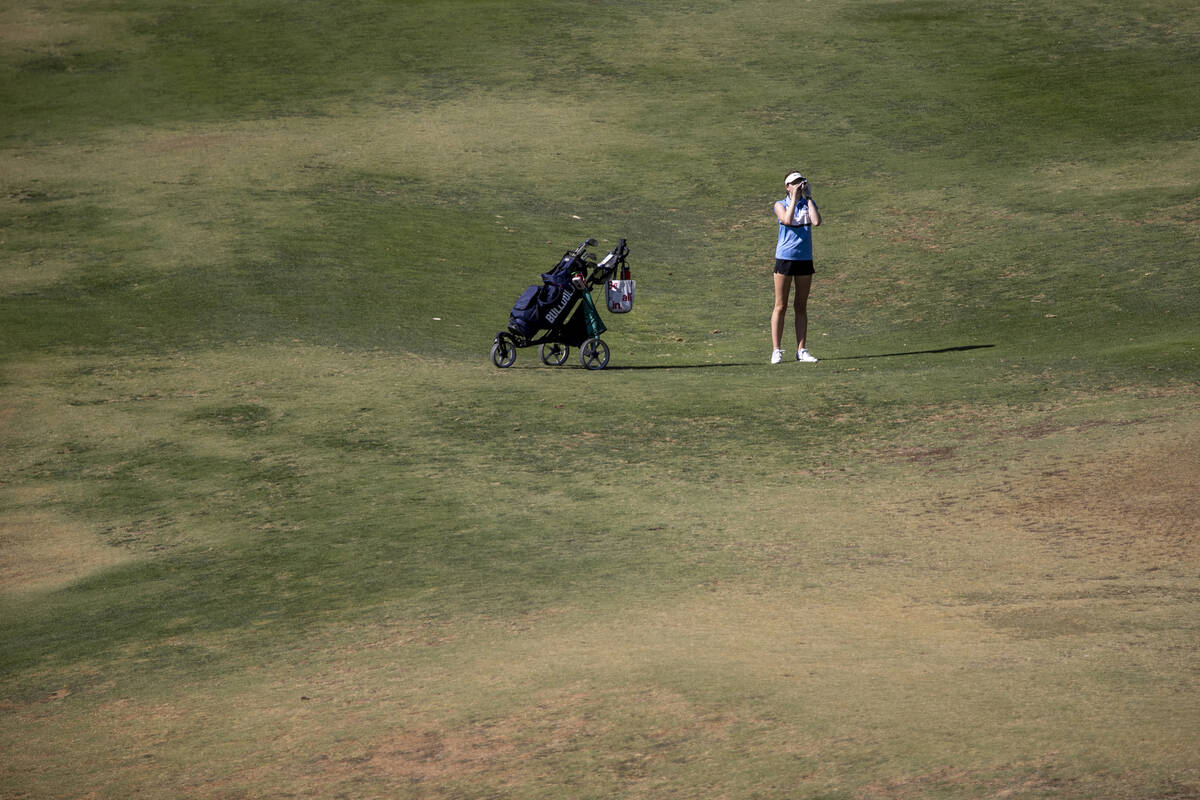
(539, 307)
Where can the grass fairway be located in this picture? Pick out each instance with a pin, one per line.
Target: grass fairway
(272, 525)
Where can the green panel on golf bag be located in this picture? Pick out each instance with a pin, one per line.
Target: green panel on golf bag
(591, 319)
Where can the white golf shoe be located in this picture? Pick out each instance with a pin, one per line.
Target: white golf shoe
(806, 357)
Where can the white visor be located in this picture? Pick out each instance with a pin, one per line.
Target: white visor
(792, 178)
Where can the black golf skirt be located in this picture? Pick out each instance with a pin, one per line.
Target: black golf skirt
(785, 266)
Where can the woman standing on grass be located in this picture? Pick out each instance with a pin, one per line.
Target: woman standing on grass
(798, 215)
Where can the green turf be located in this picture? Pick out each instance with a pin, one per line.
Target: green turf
(271, 523)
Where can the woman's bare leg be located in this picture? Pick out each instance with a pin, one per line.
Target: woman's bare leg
(783, 285)
(803, 287)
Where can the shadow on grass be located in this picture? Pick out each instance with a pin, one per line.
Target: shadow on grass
(959, 349)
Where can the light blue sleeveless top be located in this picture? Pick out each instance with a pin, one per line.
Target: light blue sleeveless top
(795, 240)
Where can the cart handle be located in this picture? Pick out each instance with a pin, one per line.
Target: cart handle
(609, 264)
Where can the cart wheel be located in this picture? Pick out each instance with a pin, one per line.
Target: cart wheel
(504, 350)
(554, 353)
(594, 354)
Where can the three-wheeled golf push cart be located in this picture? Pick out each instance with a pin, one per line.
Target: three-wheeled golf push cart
(559, 313)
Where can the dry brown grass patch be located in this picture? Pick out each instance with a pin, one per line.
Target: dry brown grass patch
(40, 550)
(49, 25)
(1140, 503)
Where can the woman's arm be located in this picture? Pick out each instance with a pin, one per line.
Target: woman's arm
(785, 212)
